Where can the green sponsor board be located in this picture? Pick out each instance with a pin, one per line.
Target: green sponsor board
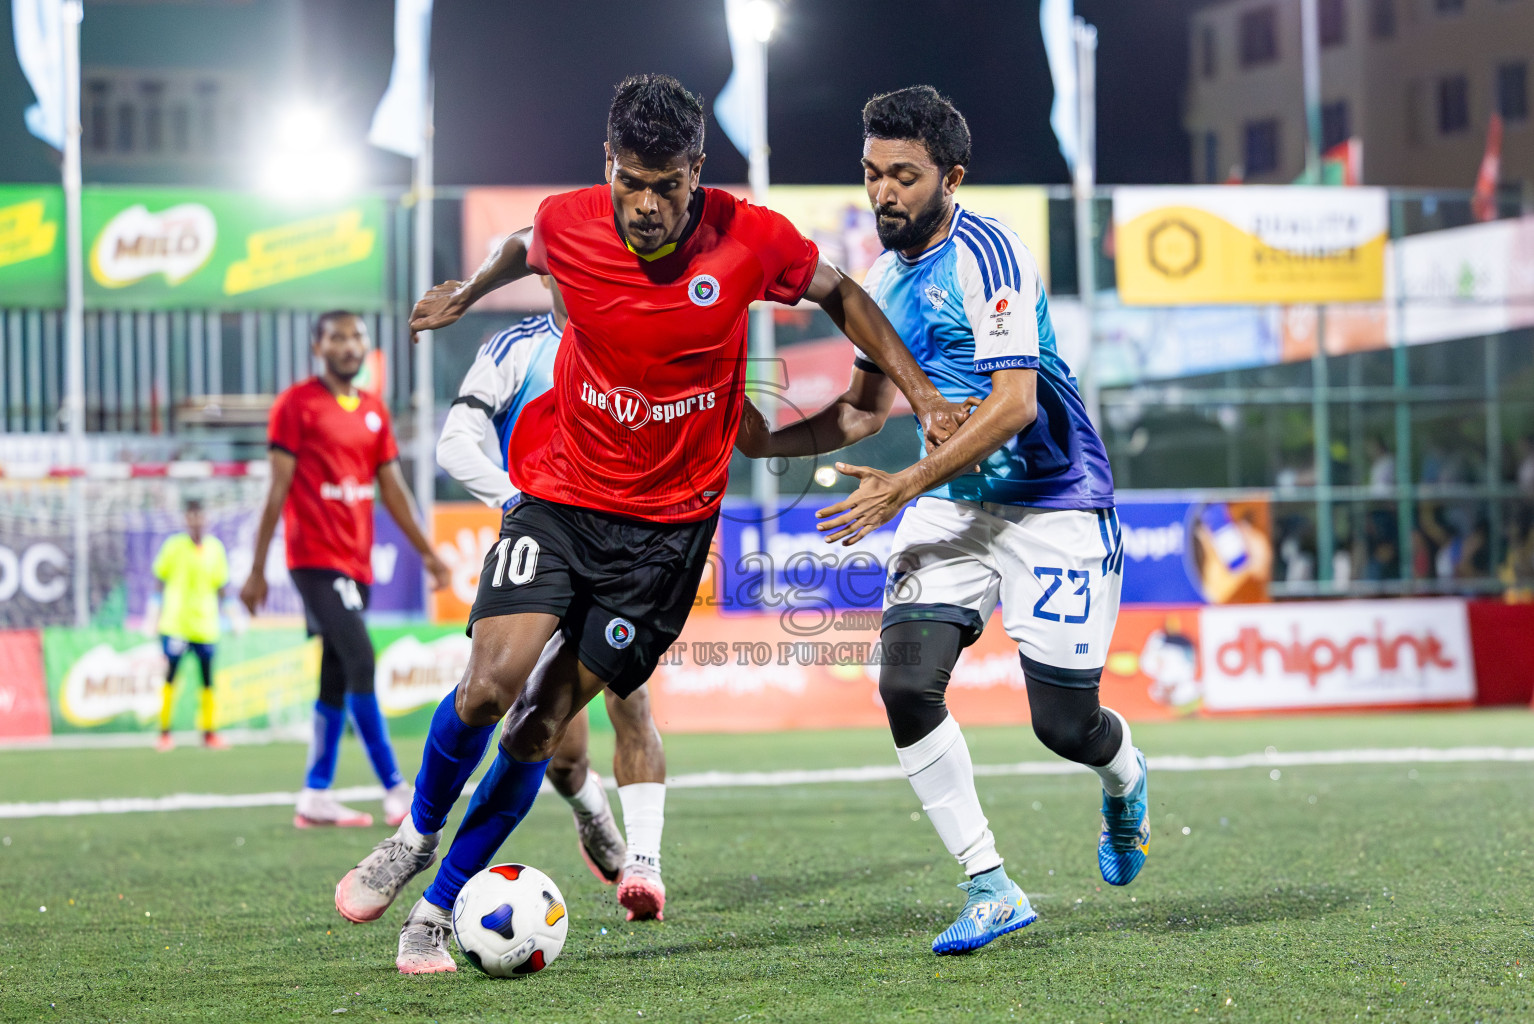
(183, 249)
(418, 665)
(112, 680)
(31, 246)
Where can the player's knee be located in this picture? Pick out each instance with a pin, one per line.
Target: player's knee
(1067, 737)
(907, 690)
(530, 733)
(482, 699)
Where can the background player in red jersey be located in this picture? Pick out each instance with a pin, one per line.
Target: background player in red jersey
(622, 465)
(327, 443)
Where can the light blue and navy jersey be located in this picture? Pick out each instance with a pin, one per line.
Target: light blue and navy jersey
(511, 369)
(974, 304)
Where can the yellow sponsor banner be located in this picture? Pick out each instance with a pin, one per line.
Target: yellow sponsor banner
(25, 233)
(267, 685)
(292, 251)
(839, 219)
(1213, 245)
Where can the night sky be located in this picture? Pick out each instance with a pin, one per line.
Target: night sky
(523, 88)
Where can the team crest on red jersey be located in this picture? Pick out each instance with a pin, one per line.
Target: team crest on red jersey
(703, 290)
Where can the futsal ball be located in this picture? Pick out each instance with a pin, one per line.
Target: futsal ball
(510, 919)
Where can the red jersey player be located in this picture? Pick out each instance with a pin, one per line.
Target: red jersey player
(622, 465)
(327, 442)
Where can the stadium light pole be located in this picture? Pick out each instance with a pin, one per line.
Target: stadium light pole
(425, 388)
(762, 16)
(1083, 187)
(73, 12)
(1310, 59)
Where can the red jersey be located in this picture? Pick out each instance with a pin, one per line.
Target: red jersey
(328, 517)
(647, 389)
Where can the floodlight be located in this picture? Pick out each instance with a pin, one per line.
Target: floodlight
(762, 16)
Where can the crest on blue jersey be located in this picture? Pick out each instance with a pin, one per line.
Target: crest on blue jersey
(935, 295)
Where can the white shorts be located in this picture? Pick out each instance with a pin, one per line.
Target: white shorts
(1057, 574)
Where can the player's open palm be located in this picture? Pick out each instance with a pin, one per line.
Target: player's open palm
(441, 305)
(878, 499)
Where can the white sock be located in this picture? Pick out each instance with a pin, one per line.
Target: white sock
(943, 777)
(1121, 774)
(589, 800)
(415, 839)
(644, 814)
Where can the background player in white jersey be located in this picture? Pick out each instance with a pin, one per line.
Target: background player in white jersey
(1016, 506)
(511, 369)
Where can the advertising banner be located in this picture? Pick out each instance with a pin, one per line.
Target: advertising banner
(462, 532)
(796, 572)
(1461, 282)
(110, 680)
(416, 667)
(840, 221)
(177, 248)
(1333, 655)
(23, 696)
(747, 674)
(1218, 244)
(32, 246)
(1217, 552)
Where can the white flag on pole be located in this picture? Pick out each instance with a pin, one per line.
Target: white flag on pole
(737, 107)
(38, 26)
(1055, 18)
(399, 123)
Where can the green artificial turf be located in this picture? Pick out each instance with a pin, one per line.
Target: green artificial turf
(1389, 892)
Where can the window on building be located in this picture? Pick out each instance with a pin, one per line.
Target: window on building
(1513, 91)
(1206, 52)
(149, 116)
(1261, 147)
(1382, 18)
(1334, 22)
(1416, 107)
(1449, 6)
(1335, 126)
(1211, 158)
(1453, 104)
(1259, 36)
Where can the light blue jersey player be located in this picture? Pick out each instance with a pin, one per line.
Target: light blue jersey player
(510, 370)
(1015, 508)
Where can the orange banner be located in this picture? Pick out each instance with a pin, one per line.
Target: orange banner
(461, 532)
(756, 673)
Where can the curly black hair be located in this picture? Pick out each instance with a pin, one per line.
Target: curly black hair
(655, 117)
(925, 115)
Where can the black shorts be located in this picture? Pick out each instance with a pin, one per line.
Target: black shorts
(333, 601)
(622, 588)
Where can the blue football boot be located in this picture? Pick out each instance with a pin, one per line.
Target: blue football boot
(995, 907)
(1125, 838)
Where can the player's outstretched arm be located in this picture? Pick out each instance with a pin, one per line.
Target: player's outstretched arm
(448, 301)
(461, 452)
(396, 497)
(865, 324)
(856, 413)
(1010, 407)
(283, 465)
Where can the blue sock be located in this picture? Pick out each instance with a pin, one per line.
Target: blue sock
(369, 723)
(328, 723)
(501, 802)
(453, 751)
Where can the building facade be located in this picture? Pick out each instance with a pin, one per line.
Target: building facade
(1416, 80)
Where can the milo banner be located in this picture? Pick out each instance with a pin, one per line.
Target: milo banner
(177, 249)
(1223, 244)
(110, 680)
(32, 246)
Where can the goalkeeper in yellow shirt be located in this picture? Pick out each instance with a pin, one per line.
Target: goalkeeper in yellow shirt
(190, 572)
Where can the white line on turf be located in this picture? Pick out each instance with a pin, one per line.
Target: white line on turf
(869, 773)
